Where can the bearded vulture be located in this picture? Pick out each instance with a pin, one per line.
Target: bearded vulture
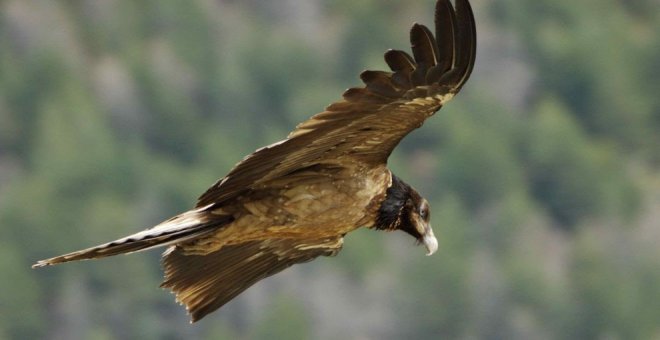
(294, 200)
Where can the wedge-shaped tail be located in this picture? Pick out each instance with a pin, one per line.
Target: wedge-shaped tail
(187, 226)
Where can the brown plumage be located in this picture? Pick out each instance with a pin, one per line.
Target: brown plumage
(294, 200)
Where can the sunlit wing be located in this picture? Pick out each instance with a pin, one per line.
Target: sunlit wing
(370, 121)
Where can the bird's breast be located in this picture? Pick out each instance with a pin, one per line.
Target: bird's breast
(306, 205)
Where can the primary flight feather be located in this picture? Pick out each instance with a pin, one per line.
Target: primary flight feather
(294, 200)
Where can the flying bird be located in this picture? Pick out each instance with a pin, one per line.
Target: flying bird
(293, 201)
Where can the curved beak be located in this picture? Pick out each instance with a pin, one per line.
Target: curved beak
(429, 241)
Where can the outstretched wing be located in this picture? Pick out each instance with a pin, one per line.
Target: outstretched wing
(370, 121)
(206, 282)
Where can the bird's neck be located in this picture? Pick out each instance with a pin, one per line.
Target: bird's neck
(391, 209)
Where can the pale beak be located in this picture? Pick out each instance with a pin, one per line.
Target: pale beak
(430, 242)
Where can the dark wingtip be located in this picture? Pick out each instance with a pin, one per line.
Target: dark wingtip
(424, 46)
(399, 61)
(466, 41)
(445, 26)
(456, 40)
(446, 60)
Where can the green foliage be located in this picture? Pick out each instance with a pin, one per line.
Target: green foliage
(284, 320)
(116, 115)
(614, 294)
(596, 55)
(570, 176)
(472, 143)
(444, 311)
(22, 315)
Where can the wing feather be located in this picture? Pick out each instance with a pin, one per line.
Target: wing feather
(399, 61)
(370, 121)
(204, 283)
(403, 65)
(445, 35)
(467, 38)
(380, 82)
(423, 45)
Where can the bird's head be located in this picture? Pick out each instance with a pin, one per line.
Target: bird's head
(405, 209)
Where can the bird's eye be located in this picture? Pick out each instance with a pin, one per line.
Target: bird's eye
(424, 212)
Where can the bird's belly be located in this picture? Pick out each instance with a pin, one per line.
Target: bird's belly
(313, 207)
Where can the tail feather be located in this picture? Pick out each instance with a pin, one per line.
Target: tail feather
(181, 228)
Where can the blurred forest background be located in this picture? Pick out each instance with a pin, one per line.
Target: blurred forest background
(543, 174)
